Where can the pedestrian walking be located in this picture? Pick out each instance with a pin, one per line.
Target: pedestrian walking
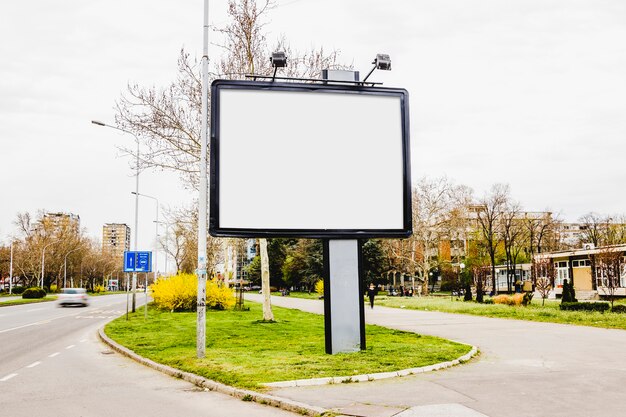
(371, 293)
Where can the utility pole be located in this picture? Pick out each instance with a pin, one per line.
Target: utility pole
(11, 270)
(203, 200)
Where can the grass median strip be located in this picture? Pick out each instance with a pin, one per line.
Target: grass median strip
(533, 312)
(27, 301)
(245, 352)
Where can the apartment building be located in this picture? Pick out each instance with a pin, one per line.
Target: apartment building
(115, 239)
(57, 223)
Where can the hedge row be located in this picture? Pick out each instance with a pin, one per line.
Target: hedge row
(601, 306)
(34, 292)
(620, 308)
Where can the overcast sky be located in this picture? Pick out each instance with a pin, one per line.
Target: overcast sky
(529, 93)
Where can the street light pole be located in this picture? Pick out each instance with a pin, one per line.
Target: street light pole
(43, 260)
(11, 271)
(65, 267)
(156, 235)
(156, 251)
(134, 283)
(167, 239)
(203, 198)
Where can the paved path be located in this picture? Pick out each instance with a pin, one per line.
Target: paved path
(526, 369)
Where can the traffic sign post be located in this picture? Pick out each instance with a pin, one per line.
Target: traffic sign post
(137, 261)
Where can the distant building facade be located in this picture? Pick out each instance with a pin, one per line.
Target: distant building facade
(115, 239)
(571, 234)
(57, 223)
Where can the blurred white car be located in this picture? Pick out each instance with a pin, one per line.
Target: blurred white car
(73, 296)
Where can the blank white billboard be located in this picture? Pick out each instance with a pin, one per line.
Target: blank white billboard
(309, 161)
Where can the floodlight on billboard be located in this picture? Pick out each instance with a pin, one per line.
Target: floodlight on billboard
(309, 160)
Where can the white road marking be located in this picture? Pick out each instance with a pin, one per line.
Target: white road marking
(34, 309)
(70, 346)
(83, 340)
(54, 354)
(32, 365)
(6, 378)
(37, 323)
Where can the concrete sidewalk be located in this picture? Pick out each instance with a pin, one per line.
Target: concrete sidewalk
(525, 369)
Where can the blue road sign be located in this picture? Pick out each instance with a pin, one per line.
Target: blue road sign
(137, 261)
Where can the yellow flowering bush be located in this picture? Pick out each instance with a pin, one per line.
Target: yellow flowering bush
(219, 296)
(319, 287)
(180, 293)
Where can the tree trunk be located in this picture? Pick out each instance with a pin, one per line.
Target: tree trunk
(494, 287)
(265, 282)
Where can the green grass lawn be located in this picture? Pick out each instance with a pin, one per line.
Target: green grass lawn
(297, 294)
(27, 301)
(98, 294)
(534, 312)
(243, 351)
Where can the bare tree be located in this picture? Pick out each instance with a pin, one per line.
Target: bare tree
(480, 275)
(594, 229)
(489, 214)
(608, 268)
(438, 207)
(512, 233)
(617, 230)
(167, 121)
(543, 275)
(540, 231)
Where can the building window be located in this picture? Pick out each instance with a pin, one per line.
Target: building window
(562, 273)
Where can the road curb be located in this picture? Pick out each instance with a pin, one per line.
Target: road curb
(207, 384)
(373, 377)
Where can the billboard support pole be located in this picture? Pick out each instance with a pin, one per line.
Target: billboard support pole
(344, 313)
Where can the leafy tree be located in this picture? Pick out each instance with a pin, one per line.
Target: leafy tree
(304, 264)
(254, 270)
(373, 262)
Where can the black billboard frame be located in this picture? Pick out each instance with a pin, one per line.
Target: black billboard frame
(217, 231)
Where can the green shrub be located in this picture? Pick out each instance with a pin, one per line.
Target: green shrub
(572, 293)
(601, 306)
(528, 298)
(566, 295)
(54, 288)
(18, 290)
(620, 308)
(34, 292)
(488, 301)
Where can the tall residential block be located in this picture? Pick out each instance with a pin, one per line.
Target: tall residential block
(115, 239)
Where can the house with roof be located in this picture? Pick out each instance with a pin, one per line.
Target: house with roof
(585, 268)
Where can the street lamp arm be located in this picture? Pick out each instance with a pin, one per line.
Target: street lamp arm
(99, 123)
(136, 231)
(145, 195)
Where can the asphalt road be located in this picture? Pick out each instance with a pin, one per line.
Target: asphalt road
(525, 369)
(53, 364)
